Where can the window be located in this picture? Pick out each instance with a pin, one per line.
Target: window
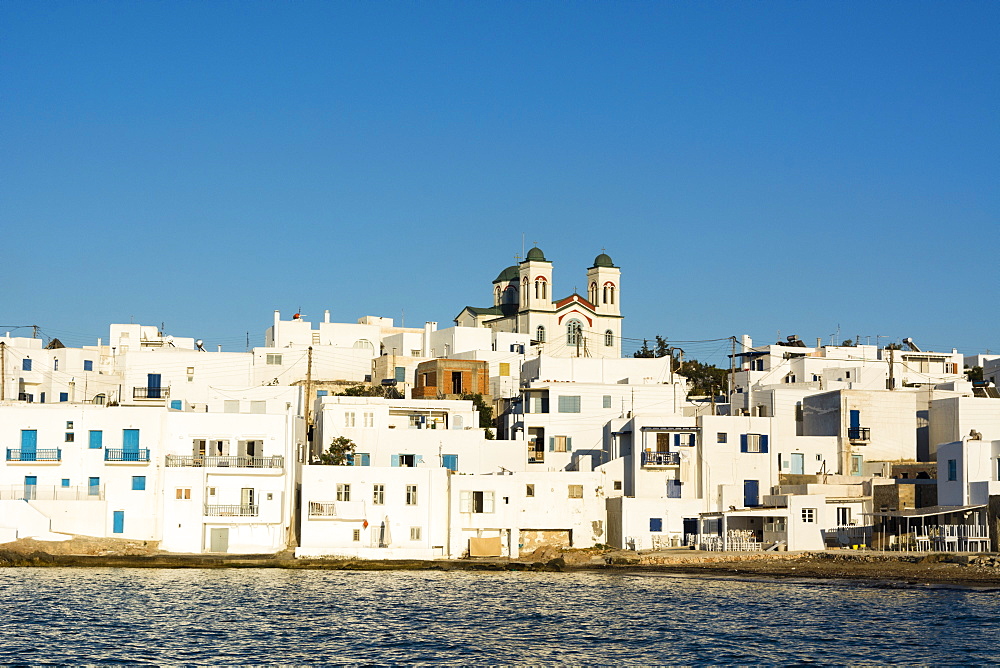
(569, 404)
(369, 419)
(378, 495)
(540, 334)
(952, 469)
(96, 439)
(857, 464)
(576, 491)
(504, 368)
(809, 515)
(182, 493)
(561, 444)
(450, 462)
(176, 404)
(231, 406)
(722, 437)
(406, 461)
(65, 482)
(674, 489)
(70, 437)
(529, 490)
(606, 401)
(55, 365)
(843, 516)
(399, 374)
(209, 491)
(64, 396)
(26, 365)
(349, 418)
(617, 485)
(360, 459)
(655, 523)
(411, 495)
(414, 533)
(356, 535)
(476, 502)
(574, 333)
(343, 492)
(274, 358)
(138, 483)
(753, 443)
(258, 407)
(88, 365)
(609, 338)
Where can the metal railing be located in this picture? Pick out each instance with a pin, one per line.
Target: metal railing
(320, 509)
(859, 433)
(661, 458)
(231, 511)
(19, 455)
(120, 455)
(24, 396)
(51, 493)
(150, 392)
(275, 462)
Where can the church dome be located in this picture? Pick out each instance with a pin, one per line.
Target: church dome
(536, 255)
(507, 275)
(603, 260)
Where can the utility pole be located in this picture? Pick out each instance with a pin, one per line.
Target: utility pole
(732, 370)
(3, 370)
(309, 382)
(892, 382)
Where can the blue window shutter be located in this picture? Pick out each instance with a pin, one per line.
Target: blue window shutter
(42, 399)
(322, 393)
(29, 439)
(395, 460)
(88, 365)
(119, 522)
(655, 524)
(26, 365)
(64, 397)
(96, 439)
(751, 493)
(65, 482)
(93, 486)
(366, 459)
(552, 444)
(130, 440)
(138, 483)
(176, 404)
(153, 386)
(450, 462)
(763, 443)
(743, 442)
(855, 419)
(418, 460)
(569, 444)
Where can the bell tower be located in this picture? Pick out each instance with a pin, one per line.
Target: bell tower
(604, 286)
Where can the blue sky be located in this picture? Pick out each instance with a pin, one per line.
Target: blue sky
(752, 167)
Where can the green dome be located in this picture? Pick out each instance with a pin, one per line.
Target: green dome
(603, 260)
(507, 275)
(536, 255)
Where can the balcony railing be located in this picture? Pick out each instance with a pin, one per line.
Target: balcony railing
(51, 455)
(150, 392)
(318, 509)
(119, 455)
(51, 493)
(231, 511)
(345, 510)
(661, 458)
(859, 433)
(24, 396)
(275, 462)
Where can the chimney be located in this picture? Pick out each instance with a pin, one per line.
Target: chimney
(277, 317)
(326, 315)
(819, 342)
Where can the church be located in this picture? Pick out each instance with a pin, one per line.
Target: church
(574, 326)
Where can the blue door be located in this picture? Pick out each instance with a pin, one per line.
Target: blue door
(751, 493)
(94, 486)
(130, 445)
(153, 385)
(29, 445)
(673, 489)
(30, 484)
(118, 523)
(798, 463)
(855, 419)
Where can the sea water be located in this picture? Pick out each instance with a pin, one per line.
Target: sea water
(240, 616)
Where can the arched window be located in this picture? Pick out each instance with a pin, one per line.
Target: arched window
(540, 334)
(509, 295)
(609, 338)
(364, 344)
(496, 296)
(545, 288)
(574, 333)
(605, 294)
(593, 293)
(524, 291)
(612, 290)
(609, 293)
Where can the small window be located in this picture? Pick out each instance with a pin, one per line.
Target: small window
(322, 393)
(722, 437)
(504, 368)
(399, 374)
(809, 515)
(93, 486)
(655, 524)
(88, 365)
(360, 459)
(576, 491)
(609, 338)
(356, 535)
(369, 419)
(270, 496)
(70, 437)
(64, 397)
(274, 358)
(349, 418)
(952, 470)
(411, 495)
(561, 444)
(26, 365)
(65, 482)
(231, 406)
(55, 365)
(210, 491)
(343, 492)
(529, 490)
(450, 462)
(569, 404)
(69, 424)
(183, 493)
(617, 485)
(540, 334)
(414, 533)
(138, 483)
(258, 407)
(378, 495)
(607, 401)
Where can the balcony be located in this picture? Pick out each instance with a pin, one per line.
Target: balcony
(275, 462)
(655, 459)
(126, 456)
(342, 510)
(153, 393)
(51, 455)
(231, 511)
(859, 434)
(51, 493)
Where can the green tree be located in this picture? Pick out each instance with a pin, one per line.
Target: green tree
(662, 349)
(975, 373)
(359, 390)
(340, 452)
(644, 351)
(485, 412)
(704, 378)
